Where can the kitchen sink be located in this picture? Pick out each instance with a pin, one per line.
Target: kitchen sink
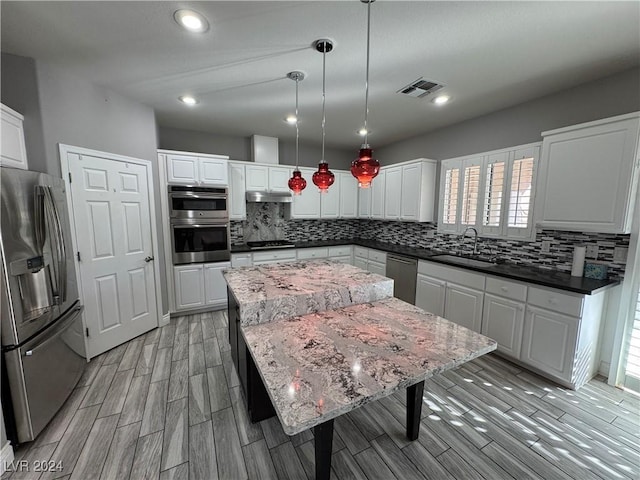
(466, 261)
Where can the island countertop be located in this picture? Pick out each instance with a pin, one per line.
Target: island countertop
(279, 291)
(321, 365)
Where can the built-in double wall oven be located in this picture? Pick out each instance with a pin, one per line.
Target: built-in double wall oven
(199, 224)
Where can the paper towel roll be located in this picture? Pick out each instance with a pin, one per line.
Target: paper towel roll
(577, 269)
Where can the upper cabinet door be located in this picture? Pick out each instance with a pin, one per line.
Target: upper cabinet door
(410, 193)
(588, 176)
(257, 178)
(393, 193)
(237, 200)
(214, 171)
(377, 195)
(349, 190)
(13, 152)
(182, 169)
(279, 179)
(364, 202)
(330, 201)
(307, 204)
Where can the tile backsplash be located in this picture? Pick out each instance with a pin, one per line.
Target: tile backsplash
(265, 221)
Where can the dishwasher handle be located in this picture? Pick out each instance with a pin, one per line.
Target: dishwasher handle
(405, 260)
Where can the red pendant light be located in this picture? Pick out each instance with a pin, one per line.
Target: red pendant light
(323, 178)
(365, 168)
(297, 183)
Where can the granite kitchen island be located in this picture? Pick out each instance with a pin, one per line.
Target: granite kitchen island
(312, 340)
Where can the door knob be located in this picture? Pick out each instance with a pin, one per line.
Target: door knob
(148, 259)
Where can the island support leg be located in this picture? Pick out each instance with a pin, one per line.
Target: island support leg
(323, 439)
(414, 409)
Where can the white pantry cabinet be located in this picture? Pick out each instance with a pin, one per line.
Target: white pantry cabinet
(588, 176)
(13, 152)
(237, 191)
(196, 169)
(200, 285)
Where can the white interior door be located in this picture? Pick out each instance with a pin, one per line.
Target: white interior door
(110, 200)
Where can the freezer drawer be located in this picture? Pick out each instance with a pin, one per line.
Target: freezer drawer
(43, 372)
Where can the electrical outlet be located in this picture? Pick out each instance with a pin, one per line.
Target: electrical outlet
(546, 246)
(620, 254)
(592, 251)
(431, 234)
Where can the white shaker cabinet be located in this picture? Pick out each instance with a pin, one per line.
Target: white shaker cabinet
(393, 193)
(307, 204)
(237, 191)
(588, 176)
(189, 286)
(549, 341)
(13, 151)
(418, 192)
(463, 305)
(349, 191)
(215, 286)
(378, 190)
(330, 200)
(364, 202)
(503, 320)
(189, 169)
(257, 178)
(279, 179)
(430, 293)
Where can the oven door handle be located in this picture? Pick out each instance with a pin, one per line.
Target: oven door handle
(214, 196)
(199, 225)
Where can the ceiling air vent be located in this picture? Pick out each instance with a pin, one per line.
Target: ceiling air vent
(420, 88)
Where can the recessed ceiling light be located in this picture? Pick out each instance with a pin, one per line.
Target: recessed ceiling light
(191, 21)
(188, 100)
(363, 131)
(441, 99)
(291, 120)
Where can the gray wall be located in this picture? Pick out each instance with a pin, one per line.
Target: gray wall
(610, 96)
(239, 148)
(62, 108)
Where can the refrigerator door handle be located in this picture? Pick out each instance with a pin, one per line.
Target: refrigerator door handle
(51, 334)
(39, 226)
(61, 250)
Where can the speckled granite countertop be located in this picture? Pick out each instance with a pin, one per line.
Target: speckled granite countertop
(284, 290)
(319, 366)
(539, 276)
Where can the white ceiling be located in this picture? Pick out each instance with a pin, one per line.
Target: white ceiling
(490, 55)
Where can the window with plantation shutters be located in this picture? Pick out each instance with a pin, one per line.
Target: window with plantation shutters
(492, 192)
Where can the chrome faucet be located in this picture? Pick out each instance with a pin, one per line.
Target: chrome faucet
(475, 239)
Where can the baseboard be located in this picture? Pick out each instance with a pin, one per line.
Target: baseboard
(6, 457)
(165, 319)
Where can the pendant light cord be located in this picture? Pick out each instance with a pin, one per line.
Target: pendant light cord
(366, 83)
(324, 118)
(297, 120)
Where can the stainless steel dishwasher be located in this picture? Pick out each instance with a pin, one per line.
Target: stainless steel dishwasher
(403, 270)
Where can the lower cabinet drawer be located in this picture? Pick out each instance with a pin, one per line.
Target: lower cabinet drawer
(340, 251)
(274, 255)
(378, 256)
(307, 253)
(556, 301)
(361, 252)
(506, 288)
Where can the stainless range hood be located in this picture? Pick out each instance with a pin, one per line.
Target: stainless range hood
(278, 197)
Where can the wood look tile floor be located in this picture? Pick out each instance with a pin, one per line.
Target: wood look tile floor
(167, 405)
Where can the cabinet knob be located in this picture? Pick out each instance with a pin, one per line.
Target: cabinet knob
(553, 301)
(504, 289)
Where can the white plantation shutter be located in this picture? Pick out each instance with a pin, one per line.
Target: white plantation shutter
(495, 182)
(470, 192)
(520, 193)
(450, 186)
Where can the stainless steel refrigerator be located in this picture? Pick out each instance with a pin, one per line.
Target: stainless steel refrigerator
(43, 353)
